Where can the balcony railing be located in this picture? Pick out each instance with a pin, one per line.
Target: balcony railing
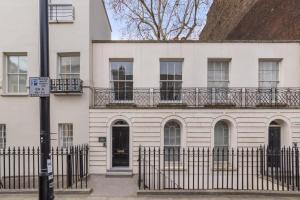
(199, 98)
(61, 13)
(66, 86)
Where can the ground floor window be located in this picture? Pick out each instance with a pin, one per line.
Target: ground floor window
(221, 141)
(66, 134)
(2, 136)
(172, 138)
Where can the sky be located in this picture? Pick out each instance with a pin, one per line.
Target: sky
(116, 25)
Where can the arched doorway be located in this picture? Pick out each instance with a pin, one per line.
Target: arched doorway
(120, 144)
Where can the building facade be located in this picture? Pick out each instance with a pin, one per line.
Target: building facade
(73, 24)
(118, 95)
(191, 94)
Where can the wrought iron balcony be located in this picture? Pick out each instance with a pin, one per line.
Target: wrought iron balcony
(61, 13)
(198, 98)
(66, 86)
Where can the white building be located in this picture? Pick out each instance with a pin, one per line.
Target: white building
(164, 94)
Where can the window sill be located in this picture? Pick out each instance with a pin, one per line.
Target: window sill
(15, 95)
(61, 21)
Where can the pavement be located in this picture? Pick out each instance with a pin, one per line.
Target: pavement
(116, 188)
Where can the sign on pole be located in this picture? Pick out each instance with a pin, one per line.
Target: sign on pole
(39, 86)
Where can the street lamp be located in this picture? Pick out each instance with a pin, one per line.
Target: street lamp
(45, 175)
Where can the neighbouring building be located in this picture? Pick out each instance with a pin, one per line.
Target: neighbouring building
(118, 95)
(253, 20)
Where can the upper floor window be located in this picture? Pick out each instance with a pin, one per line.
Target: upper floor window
(69, 67)
(170, 80)
(218, 73)
(66, 134)
(2, 136)
(17, 67)
(268, 74)
(61, 11)
(122, 79)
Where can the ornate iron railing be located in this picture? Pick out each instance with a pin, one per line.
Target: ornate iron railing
(73, 85)
(198, 98)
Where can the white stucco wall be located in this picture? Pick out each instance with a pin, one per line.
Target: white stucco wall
(248, 128)
(20, 34)
(243, 66)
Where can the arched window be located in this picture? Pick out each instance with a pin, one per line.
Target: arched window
(221, 140)
(172, 140)
(221, 136)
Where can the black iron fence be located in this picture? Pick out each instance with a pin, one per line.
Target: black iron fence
(71, 85)
(19, 167)
(199, 98)
(228, 169)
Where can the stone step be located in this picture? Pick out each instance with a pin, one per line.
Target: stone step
(119, 173)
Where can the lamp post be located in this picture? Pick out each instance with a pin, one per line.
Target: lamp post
(45, 174)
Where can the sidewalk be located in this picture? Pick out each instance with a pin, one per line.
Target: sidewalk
(84, 197)
(125, 188)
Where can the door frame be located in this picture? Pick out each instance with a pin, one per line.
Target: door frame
(112, 145)
(109, 143)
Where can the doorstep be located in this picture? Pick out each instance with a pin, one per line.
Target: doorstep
(119, 172)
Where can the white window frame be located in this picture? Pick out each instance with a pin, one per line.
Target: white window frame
(181, 61)
(260, 81)
(66, 138)
(2, 136)
(18, 74)
(224, 63)
(112, 81)
(176, 145)
(69, 56)
(65, 12)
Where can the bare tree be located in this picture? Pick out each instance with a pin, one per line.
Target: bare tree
(160, 19)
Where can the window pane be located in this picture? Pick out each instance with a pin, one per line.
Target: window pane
(221, 134)
(122, 72)
(75, 64)
(268, 73)
(22, 83)
(129, 72)
(13, 83)
(2, 136)
(65, 65)
(66, 135)
(163, 71)
(178, 71)
(114, 71)
(13, 64)
(23, 66)
(171, 71)
(218, 74)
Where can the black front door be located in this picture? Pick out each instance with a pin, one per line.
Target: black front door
(274, 146)
(120, 146)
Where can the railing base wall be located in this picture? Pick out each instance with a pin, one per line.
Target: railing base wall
(218, 192)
